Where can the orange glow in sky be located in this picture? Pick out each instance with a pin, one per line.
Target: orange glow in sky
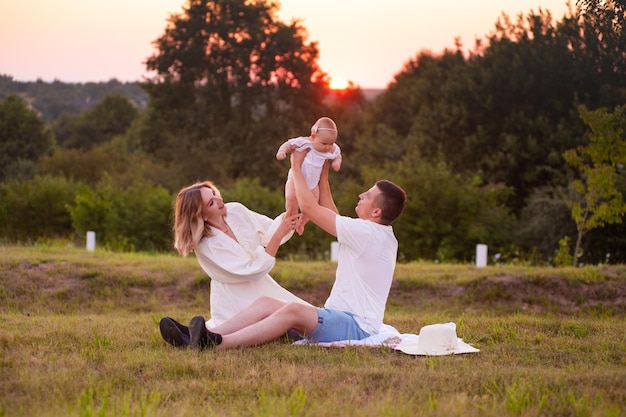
(365, 41)
(338, 83)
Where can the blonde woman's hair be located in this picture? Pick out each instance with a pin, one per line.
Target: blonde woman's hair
(189, 227)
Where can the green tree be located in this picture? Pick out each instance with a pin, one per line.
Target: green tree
(115, 158)
(508, 110)
(232, 82)
(598, 40)
(54, 99)
(112, 116)
(24, 138)
(503, 111)
(599, 164)
(544, 221)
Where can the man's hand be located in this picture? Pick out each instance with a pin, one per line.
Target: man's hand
(297, 158)
(320, 215)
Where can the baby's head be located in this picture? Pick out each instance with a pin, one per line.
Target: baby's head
(324, 134)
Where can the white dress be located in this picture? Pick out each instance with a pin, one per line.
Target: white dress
(314, 160)
(239, 270)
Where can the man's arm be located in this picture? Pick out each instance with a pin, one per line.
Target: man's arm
(320, 215)
(326, 198)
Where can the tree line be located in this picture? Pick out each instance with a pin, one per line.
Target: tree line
(58, 99)
(517, 142)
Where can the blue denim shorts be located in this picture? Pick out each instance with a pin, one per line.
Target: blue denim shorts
(334, 325)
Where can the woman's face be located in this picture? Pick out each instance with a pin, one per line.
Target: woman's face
(212, 205)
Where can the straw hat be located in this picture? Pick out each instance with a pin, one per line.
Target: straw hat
(436, 340)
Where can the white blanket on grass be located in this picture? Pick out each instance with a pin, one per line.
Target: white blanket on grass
(384, 339)
(433, 340)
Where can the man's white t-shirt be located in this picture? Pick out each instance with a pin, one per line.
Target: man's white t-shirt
(366, 262)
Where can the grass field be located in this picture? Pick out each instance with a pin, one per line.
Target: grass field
(79, 337)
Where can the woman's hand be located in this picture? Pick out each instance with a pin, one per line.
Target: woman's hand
(288, 224)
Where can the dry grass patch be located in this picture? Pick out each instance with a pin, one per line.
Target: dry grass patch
(79, 337)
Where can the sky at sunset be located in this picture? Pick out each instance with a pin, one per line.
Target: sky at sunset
(364, 41)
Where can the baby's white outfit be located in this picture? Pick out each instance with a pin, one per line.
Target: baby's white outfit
(313, 161)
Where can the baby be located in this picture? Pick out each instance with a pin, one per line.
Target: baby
(322, 147)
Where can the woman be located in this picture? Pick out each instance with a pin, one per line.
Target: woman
(235, 246)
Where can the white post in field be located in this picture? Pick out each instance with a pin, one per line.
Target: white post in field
(91, 241)
(481, 255)
(334, 251)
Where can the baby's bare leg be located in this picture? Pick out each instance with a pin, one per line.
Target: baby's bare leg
(303, 218)
(291, 202)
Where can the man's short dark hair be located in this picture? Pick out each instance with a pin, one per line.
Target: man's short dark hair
(391, 201)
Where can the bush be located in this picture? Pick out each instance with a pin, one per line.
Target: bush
(136, 218)
(446, 213)
(36, 208)
(313, 244)
(563, 255)
(253, 195)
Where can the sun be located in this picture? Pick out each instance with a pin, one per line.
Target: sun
(337, 83)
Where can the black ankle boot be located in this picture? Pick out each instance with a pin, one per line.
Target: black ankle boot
(174, 333)
(200, 337)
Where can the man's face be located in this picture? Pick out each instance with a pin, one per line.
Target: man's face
(366, 204)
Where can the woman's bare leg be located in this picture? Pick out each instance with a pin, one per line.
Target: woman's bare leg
(300, 317)
(255, 312)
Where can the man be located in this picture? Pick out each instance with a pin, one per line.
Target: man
(366, 262)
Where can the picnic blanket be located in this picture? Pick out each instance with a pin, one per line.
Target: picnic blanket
(433, 340)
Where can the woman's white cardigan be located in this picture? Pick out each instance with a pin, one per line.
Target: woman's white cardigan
(239, 271)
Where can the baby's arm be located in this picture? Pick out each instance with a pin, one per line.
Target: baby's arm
(336, 164)
(284, 149)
